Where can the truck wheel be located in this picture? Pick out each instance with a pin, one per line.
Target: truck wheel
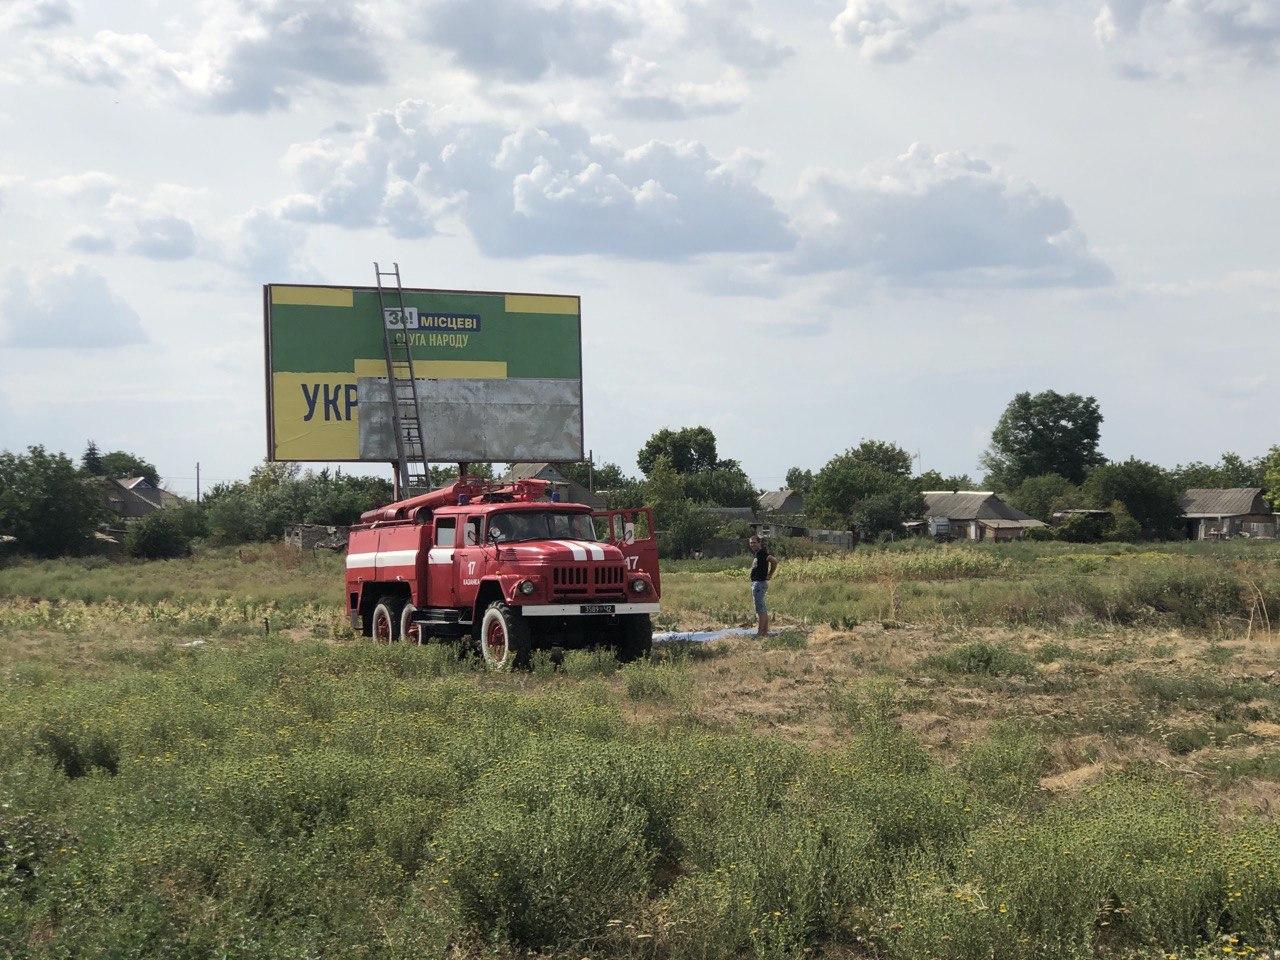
(386, 620)
(636, 638)
(504, 638)
(410, 632)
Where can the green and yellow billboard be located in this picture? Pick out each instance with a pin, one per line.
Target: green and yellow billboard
(500, 374)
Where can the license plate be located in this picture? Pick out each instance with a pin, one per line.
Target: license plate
(589, 608)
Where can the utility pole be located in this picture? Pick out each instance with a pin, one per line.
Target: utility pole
(591, 470)
(197, 483)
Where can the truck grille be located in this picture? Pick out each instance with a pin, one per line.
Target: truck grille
(569, 577)
(608, 576)
(582, 581)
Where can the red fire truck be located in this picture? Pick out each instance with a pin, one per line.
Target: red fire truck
(506, 568)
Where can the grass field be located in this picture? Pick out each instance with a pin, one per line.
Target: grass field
(1030, 751)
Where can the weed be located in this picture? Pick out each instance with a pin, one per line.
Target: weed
(786, 640)
(982, 658)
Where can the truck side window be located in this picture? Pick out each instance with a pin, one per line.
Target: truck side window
(446, 531)
(472, 531)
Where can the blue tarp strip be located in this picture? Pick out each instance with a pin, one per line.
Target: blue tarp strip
(703, 636)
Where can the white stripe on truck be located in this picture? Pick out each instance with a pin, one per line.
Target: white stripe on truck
(397, 558)
(385, 558)
(440, 555)
(576, 549)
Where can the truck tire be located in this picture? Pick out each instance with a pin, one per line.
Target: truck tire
(410, 632)
(386, 620)
(504, 638)
(635, 638)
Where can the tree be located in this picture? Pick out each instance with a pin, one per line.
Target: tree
(868, 488)
(47, 504)
(1043, 433)
(933, 480)
(883, 455)
(1271, 476)
(1147, 492)
(278, 495)
(604, 476)
(800, 481)
(1232, 470)
(726, 484)
(91, 462)
(682, 527)
(687, 450)
(441, 475)
(118, 463)
(1040, 496)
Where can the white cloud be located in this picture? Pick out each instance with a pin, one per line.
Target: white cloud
(91, 186)
(164, 238)
(248, 56)
(65, 307)
(889, 30)
(535, 190)
(644, 92)
(925, 219)
(921, 219)
(1152, 38)
(90, 240)
(524, 40)
(157, 222)
(262, 246)
(35, 14)
(731, 28)
(640, 57)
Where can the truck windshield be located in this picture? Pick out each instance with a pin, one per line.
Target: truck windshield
(539, 525)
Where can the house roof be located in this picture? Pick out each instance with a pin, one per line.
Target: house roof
(148, 491)
(527, 471)
(775, 500)
(973, 505)
(1222, 502)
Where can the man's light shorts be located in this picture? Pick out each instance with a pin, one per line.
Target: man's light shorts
(758, 588)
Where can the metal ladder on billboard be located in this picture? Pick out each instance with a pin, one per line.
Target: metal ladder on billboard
(406, 417)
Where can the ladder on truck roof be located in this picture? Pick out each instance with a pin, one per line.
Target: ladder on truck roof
(406, 415)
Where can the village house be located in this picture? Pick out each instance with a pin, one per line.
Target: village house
(972, 515)
(132, 497)
(784, 502)
(1222, 513)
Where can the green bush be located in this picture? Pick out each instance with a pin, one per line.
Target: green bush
(548, 874)
(1005, 767)
(782, 880)
(982, 658)
(164, 533)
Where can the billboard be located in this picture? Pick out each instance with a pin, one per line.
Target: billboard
(499, 374)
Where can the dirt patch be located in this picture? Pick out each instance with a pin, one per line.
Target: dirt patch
(1074, 779)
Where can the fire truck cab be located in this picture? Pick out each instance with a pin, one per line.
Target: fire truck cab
(506, 568)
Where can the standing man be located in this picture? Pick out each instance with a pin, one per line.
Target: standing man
(762, 570)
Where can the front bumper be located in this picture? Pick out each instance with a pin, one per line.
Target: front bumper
(587, 609)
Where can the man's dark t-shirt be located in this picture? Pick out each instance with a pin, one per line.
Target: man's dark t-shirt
(760, 569)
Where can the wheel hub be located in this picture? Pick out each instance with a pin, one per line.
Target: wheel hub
(495, 641)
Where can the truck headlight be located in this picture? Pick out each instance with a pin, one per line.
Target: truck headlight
(639, 586)
(527, 587)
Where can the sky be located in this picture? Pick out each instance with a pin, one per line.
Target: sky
(800, 223)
